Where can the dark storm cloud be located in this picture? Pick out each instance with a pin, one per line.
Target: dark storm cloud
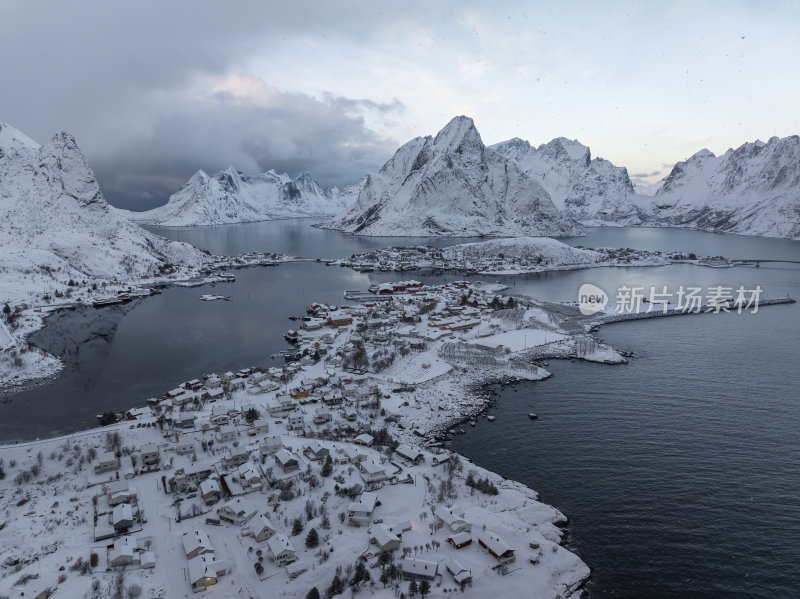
(292, 133)
(117, 75)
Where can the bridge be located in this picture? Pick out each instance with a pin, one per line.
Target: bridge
(757, 261)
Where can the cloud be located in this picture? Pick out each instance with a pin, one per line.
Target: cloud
(646, 175)
(245, 123)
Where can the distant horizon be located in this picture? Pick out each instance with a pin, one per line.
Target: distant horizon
(155, 92)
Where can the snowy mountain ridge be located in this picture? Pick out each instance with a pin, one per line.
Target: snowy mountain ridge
(751, 190)
(55, 224)
(460, 187)
(231, 196)
(454, 185)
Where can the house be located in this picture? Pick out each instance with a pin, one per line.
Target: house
(249, 477)
(418, 569)
(496, 547)
(219, 416)
(322, 415)
(295, 422)
(459, 573)
(263, 530)
(196, 542)
(350, 414)
(123, 495)
(147, 559)
(453, 518)
(340, 320)
(228, 514)
(122, 553)
(185, 447)
(258, 427)
(213, 382)
(236, 456)
(351, 454)
(215, 393)
(364, 440)
(399, 528)
(106, 461)
(409, 454)
(204, 572)
(385, 540)
(270, 445)
(360, 512)
(193, 385)
(281, 550)
(185, 476)
(227, 433)
(286, 460)
(315, 452)
(372, 472)
(122, 517)
(150, 455)
(185, 420)
(210, 491)
(459, 540)
(281, 404)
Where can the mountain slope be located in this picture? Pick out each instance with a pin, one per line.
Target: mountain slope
(752, 190)
(590, 191)
(233, 197)
(454, 185)
(55, 224)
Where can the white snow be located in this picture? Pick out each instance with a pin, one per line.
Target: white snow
(234, 197)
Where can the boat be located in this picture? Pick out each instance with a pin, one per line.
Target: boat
(490, 418)
(461, 431)
(472, 423)
(291, 336)
(532, 416)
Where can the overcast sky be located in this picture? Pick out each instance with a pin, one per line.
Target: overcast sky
(156, 90)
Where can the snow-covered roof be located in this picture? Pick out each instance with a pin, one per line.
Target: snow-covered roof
(278, 544)
(419, 567)
(196, 540)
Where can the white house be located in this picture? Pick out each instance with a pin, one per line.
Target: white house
(210, 491)
(258, 427)
(122, 516)
(281, 550)
(295, 422)
(460, 574)
(410, 454)
(263, 529)
(106, 461)
(123, 553)
(322, 415)
(453, 518)
(360, 512)
(236, 456)
(196, 542)
(270, 445)
(385, 540)
(185, 447)
(204, 571)
(372, 473)
(150, 455)
(418, 569)
(219, 416)
(227, 433)
(287, 461)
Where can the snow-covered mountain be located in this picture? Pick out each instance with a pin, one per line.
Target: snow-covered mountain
(55, 224)
(234, 197)
(453, 185)
(589, 190)
(752, 190)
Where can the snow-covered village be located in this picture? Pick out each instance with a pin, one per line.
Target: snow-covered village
(399, 300)
(319, 474)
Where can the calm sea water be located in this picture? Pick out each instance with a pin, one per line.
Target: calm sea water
(679, 471)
